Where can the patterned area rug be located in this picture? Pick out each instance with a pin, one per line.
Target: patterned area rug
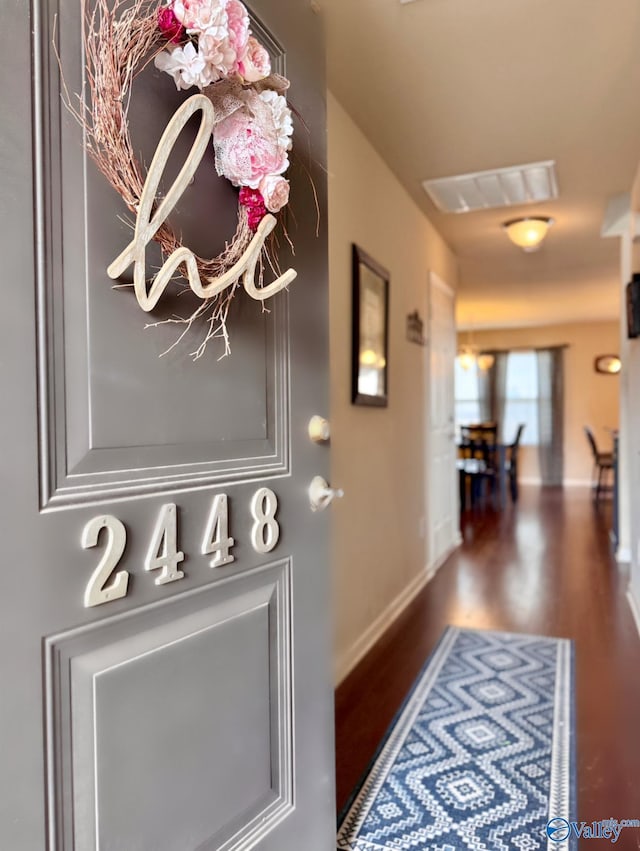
(481, 755)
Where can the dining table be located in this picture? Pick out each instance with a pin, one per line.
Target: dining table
(502, 471)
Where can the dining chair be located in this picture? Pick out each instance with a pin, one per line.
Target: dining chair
(480, 431)
(602, 464)
(477, 464)
(512, 462)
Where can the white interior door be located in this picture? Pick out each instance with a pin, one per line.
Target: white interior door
(441, 479)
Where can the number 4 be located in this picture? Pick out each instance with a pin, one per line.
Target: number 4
(163, 552)
(216, 536)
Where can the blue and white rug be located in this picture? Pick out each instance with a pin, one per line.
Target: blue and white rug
(480, 757)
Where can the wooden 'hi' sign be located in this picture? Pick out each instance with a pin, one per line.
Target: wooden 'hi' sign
(147, 224)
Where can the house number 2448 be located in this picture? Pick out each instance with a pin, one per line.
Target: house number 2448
(107, 583)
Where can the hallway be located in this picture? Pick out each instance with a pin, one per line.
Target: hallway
(543, 567)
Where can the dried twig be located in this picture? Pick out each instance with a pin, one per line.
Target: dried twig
(120, 40)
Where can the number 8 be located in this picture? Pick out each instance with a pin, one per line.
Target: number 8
(266, 531)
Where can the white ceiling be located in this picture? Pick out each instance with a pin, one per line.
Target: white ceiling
(444, 87)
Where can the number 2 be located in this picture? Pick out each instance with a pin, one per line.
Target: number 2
(97, 591)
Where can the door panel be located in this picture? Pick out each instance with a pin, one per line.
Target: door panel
(194, 713)
(207, 676)
(89, 448)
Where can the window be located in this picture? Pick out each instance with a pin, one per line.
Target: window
(467, 394)
(520, 396)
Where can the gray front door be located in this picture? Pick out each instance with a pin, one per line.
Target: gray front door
(164, 688)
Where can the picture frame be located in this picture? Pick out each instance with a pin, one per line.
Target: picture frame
(370, 333)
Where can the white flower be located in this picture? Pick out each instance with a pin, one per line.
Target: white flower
(186, 65)
(281, 117)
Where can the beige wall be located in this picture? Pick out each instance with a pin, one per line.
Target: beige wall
(590, 399)
(377, 454)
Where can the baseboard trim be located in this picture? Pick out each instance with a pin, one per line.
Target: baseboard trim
(359, 650)
(347, 662)
(567, 483)
(635, 607)
(433, 568)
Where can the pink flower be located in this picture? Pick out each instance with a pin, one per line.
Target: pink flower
(245, 152)
(255, 64)
(255, 216)
(238, 25)
(275, 191)
(251, 197)
(169, 25)
(253, 201)
(201, 15)
(252, 142)
(218, 53)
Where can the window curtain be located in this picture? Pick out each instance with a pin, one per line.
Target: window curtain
(498, 390)
(492, 384)
(551, 415)
(484, 394)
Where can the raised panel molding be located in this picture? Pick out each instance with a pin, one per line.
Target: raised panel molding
(87, 451)
(101, 729)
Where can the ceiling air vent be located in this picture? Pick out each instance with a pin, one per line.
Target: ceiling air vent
(503, 187)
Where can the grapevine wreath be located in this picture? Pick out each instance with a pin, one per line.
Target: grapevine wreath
(206, 45)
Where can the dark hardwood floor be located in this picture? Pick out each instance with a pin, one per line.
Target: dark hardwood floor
(542, 567)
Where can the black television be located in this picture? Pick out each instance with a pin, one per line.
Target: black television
(633, 306)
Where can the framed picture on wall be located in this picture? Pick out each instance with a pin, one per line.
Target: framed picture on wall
(370, 341)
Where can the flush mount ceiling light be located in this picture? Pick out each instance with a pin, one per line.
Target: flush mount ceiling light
(527, 233)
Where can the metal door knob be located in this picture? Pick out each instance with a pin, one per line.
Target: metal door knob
(319, 429)
(321, 495)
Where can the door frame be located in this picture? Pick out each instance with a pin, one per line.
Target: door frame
(433, 563)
